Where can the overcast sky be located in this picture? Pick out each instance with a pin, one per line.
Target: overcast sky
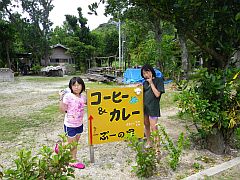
(62, 7)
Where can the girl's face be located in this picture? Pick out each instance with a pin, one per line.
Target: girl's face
(147, 74)
(77, 88)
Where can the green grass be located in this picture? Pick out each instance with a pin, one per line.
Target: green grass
(96, 85)
(10, 127)
(167, 99)
(46, 115)
(53, 96)
(40, 79)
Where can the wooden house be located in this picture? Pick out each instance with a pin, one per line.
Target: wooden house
(59, 55)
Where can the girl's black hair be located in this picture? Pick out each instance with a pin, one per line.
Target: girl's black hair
(74, 80)
(148, 67)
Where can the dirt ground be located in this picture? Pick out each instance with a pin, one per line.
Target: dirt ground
(112, 160)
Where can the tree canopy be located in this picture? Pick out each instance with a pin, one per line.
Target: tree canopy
(214, 26)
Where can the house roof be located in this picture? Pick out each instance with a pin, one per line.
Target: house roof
(58, 45)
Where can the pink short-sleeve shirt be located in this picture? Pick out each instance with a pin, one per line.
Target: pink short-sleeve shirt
(75, 110)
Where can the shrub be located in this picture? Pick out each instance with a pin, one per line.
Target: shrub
(213, 102)
(174, 150)
(45, 165)
(36, 69)
(145, 157)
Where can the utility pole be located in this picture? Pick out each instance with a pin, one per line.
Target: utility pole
(119, 46)
(123, 47)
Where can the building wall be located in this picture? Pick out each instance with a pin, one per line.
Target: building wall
(59, 53)
(6, 74)
(59, 56)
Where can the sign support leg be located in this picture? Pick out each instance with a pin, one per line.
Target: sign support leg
(91, 153)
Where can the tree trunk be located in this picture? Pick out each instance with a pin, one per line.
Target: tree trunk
(221, 60)
(215, 142)
(158, 37)
(46, 57)
(184, 56)
(8, 57)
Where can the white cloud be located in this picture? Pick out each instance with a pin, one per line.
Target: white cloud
(63, 7)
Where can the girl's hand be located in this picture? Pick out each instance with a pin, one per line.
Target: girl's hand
(149, 80)
(137, 84)
(61, 94)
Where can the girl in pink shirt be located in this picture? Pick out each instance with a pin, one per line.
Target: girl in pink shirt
(72, 104)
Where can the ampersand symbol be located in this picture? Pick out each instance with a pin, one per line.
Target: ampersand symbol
(101, 111)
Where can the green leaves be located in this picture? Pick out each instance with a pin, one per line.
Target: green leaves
(237, 17)
(25, 164)
(213, 102)
(174, 150)
(145, 158)
(45, 165)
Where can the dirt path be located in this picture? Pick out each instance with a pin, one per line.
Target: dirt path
(112, 160)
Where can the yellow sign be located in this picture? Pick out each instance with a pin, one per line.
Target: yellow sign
(113, 113)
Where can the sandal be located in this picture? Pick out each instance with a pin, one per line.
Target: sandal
(77, 165)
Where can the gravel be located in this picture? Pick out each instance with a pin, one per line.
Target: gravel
(112, 160)
(22, 97)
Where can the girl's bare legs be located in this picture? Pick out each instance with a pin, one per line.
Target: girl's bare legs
(74, 149)
(150, 126)
(147, 129)
(154, 127)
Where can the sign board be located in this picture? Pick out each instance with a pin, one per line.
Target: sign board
(113, 113)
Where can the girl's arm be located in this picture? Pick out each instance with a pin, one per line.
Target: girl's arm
(62, 106)
(85, 100)
(154, 89)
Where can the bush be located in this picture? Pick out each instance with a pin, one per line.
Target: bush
(147, 158)
(236, 139)
(36, 69)
(213, 102)
(70, 69)
(45, 165)
(174, 150)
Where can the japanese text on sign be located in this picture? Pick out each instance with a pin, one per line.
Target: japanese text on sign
(113, 113)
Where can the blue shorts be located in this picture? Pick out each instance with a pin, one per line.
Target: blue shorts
(73, 131)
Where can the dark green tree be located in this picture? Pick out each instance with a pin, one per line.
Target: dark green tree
(6, 42)
(211, 25)
(31, 33)
(80, 41)
(38, 11)
(108, 35)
